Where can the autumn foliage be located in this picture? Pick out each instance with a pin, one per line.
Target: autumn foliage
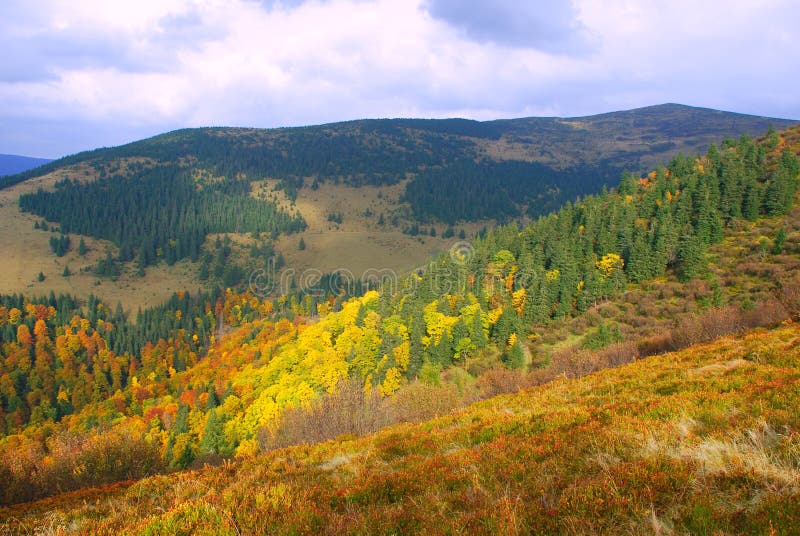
(700, 440)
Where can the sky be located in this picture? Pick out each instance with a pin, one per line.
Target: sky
(82, 74)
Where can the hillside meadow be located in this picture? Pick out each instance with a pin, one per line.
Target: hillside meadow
(700, 441)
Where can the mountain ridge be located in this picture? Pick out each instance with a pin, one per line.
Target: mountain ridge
(650, 113)
(12, 164)
(373, 192)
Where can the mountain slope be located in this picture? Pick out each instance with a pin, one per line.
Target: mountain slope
(703, 440)
(11, 164)
(372, 193)
(179, 375)
(511, 166)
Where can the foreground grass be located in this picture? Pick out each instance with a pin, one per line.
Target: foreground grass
(700, 441)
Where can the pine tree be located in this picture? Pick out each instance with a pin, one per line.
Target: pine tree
(777, 244)
(640, 265)
(751, 200)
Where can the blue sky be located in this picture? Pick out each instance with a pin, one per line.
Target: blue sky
(81, 74)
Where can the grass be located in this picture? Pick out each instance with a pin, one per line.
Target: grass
(699, 441)
(359, 243)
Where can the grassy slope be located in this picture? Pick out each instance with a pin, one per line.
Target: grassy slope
(704, 440)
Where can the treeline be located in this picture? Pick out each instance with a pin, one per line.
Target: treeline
(160, 213)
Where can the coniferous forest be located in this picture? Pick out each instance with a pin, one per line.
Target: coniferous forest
(161, 213)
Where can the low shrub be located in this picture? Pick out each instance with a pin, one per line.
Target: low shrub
(352, 411)
(70, 461)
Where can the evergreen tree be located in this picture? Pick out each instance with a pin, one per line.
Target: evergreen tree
(213, 437)
(751, 200)
(777, 244)
(691, 257)
(185, 456)
(514, 357)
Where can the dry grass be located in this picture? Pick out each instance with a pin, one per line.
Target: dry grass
(769, 457)
(358, 243)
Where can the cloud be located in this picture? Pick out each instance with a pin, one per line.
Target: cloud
(114, 70)
(546, 25)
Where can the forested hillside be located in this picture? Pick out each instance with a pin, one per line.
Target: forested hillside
(215, 375)
(160, 213)
(456, 169)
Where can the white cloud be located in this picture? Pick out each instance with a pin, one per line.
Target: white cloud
(153, 65)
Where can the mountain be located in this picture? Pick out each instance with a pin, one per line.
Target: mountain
(361, 195)
(11, 164)
(701, 249)
(451, 170)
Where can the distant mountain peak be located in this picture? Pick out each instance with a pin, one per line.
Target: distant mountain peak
(11, 164)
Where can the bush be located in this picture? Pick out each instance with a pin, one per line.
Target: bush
(790, 296)
(713, 323)
(352, 411)
(70, 461)
(768, 313)
(499, 380)
(575, 363)
(656, 344)
(419, 401)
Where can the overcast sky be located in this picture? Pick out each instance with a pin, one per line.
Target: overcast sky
(80, 74)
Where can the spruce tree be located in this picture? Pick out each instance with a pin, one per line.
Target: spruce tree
(213, 437)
